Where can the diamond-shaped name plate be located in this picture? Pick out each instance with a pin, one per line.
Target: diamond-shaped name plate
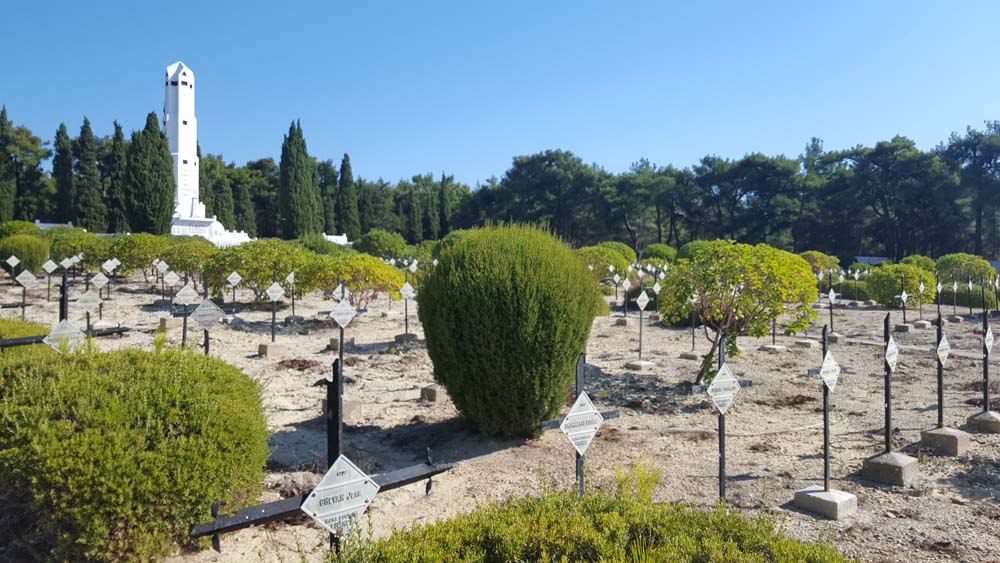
(26, 279)
(582, 423)
(943, 350)
(187, 295)
(406, 290)
(64, 336)
(171, 278)
(723, 389)
(99, 280)
(413, 267)
(49, 266)
(642, 301)
(162, 267)
(89, 301)
(341, 497)
(832, 297)
(275, 292)
(626, 284)
(988, 340)
(234, 278)
(617, 278)
(830, 371)
(891, 354)
(13, 261)
(290, 278)
(657, 288)
(343, 313)
(66, 263)
(207, 314)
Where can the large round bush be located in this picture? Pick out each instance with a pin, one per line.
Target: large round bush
(963, 267)
(31, 250)
(600, 257)
(689, 250)
(506, 313)
(659, 253)
(820, 262)
(9, 228)
(381, 244)
(259, 262)
(188, 254)
(113, 456)
(137, 250)
(886, 282)
(626, 251)
(365, 276)
(920, 262)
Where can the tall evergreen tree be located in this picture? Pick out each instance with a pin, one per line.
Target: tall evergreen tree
(348, 217)
(414, 225)
(90, 210)
(217, 189)
(241, 182)
(444, 212)
(62, 172)
(150, 180)
(204, 183)
(8, 178)
(327, 173)
(430, 220)
(299, 200)
(116, 198)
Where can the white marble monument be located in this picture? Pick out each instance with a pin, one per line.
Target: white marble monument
(181, 128)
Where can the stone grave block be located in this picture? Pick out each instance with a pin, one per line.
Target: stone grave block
(988, 422)
(945, 441)
(891, 468)
(832, 504)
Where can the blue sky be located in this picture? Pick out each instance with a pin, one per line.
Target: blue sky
(463, 86)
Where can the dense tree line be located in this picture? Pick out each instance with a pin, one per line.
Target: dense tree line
(892, 199)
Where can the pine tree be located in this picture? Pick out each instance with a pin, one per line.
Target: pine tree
(90, 210)
(62, 172)
(348, 217)
(444, 216)
(299, 200)
(150, 180)
(8, 177)
(116, 199)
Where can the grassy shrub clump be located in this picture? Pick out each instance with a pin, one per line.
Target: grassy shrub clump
(137, 251)
(690, 250)
(600, 257)
(10, 228)
(606, 527)
(33, 252)
(886, 282)
(964, 299)
(12, 328)
(365, 276)
(381, 244)
(659, 252)
(320, 245)
(919, 261)
(506, 313)
(624, 250)
(113, 456)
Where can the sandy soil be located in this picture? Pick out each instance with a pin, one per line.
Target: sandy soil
(774, 428)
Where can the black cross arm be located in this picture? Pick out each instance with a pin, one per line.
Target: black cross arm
(285, 508)
(38, 339)
(555, 423)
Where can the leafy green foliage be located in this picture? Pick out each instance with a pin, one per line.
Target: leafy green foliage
(348, 218)
(317, 243)
(113, 456)
(448, 241)
(506, 312)
(258, 262)
(606, 527)
(32, 250)
(62, 173)
(149, 178)
(659, 252)
(381, 244)
(137, 250)
(887, 282)
(689, 250)
(8, 228)
(851, 290)
(920, 262)
(820, 262)
(600, 257)
(963, 267)
(964, 298)
(117, 200)
(12, 328)
(188, 254)
(364, 275)
(624, 250)
(739, 290)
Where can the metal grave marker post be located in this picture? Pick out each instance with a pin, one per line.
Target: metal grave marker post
(723, 391)
(207, 314)
(641, 301)
(170, 279)
(186, 296)
(617, 279)
(341, 497)
(274, 293)
(290, 278)
(26, 279)
(903, 297)
(12, 261)
(829, 372)
(99, 281)
(891, 359)
(626, 285)
(49, 266)
(693, 300)
(234, 279)
(943, 349)
(969, 294)
(832, 297)
(954, 297)
(921, 288)
(90, 302)
(580, 426)
(987, 349)
(407, 292)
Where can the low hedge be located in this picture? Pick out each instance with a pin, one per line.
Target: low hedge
(849, 290)
(113, 456)
(9, 228)
(962, 298)
(31, 250)
(607, 527)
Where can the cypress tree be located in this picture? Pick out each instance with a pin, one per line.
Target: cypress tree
(62, 172)
(444, 216)
(348, 217)
(204, 184)
(150, 180)
(299, 201)
(90, 210)
(8, 178)
(220, 190)
(243, 207)
(328, 191)
(414, 230)
(116, 200)
(430, 220)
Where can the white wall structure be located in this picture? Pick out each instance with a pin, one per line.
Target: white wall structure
(181, 127)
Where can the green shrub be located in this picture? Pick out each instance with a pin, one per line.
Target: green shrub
(319, 244)
(886, 282)
(689, 250)
(850, 290)
(365, 276)
(137, 251)
(12, 328)
(113, 456)
(820, 262)
(600, 526)
(258, 261)
(381, 244)
(10, 228)
(66, 241)
(919, 261)
(506, 313)
(600, 257)
(626, 251)
(447, 241)
(32, 251)
(963, 298)
(963, 267)
(188, 254)
(659, 252)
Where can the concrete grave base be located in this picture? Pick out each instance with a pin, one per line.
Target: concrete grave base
(853, 304)
(405, 338)
(773, 348)
(832, 504)
(988, 422)
(690, 356)
(270, 349)
(639, 365)
(835, 338)
(901, 328)
(922, 325)
(621, 321)
(945, 441)
(430, 393)
(892, 468)
(806, 343)
(957, 319)
(167, 323)
(871, 303)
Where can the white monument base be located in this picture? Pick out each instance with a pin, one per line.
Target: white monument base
(209, 229)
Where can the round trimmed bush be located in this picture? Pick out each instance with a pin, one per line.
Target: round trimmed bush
(659, 252)
(963, 267)
(188, 254)
(137, 250)
(506, 313)
(33, 252)
(690, 250)
(600, 257)
(886, 282)
(365, 276)
(319, 244)
(10, 228)
(820, 262)
(920, 262)
(447, 241)
(381, 244)
(113, 456)
(622, 249)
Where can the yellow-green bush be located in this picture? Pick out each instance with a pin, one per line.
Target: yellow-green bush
(600, 257)
(10, 228)
(963, 267)
(137, 251)
(659, 252)
(365, 276)
(319, 244)
(506, 313)
(12, 328)
(381, 244)
(188, 254)
(113, 456)
(886, 282)
(689, 250)
(820, 262)
(258, 261)
(920, 262)
(31, 250)
(599, 527)
(626, 251)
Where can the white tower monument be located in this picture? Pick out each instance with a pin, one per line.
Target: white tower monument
(181, 127)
